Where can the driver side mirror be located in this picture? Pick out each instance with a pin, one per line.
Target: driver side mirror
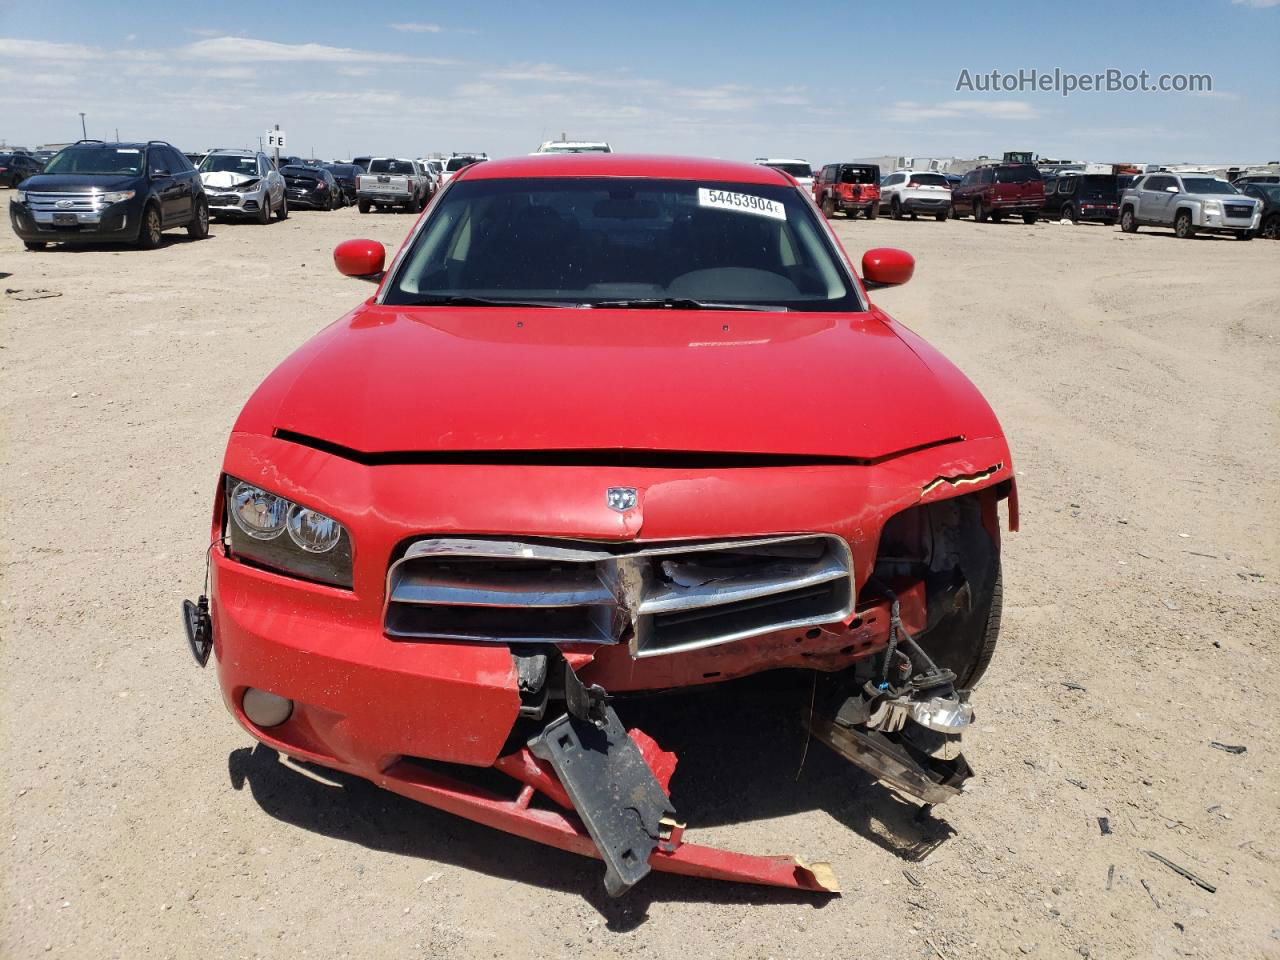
(360, 258)
(160, 174)
(886, 267)
(1170, 189)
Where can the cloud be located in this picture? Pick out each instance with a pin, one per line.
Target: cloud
(418, 27)
(909, 111)
(43, 50)
(249, 50)
(1257, 4)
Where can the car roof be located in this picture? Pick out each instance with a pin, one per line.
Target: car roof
(230, 152)
(625, 165)
(780, 160)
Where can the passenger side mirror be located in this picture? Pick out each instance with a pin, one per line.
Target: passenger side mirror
(1170, 189)
(886, 267)
(360, 258)
(158, 174)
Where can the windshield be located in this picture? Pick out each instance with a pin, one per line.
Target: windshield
(402, 167)
(225, 163)
(454, 164)
(927, 180)
(98, 160)
(641, 242)
(1271, 190)
(797, 170)
(577, 148)
(1019, 174)
(1207, 185)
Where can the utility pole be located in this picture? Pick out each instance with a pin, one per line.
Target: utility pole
(82, 130)
(117, 134)
(277, 149)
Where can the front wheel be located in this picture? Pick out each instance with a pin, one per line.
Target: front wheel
(979, 211)
(198, 228)
(1128, 222)
(895, 209)
(362, 206)
(264, 210)
(1271, 227)
(282, 211)
(1183, 228)
(149, 229)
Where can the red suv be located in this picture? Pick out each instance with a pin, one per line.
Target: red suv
(999, 189)
(851, 187)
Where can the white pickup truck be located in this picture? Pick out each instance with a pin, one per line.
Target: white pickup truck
(393, 182)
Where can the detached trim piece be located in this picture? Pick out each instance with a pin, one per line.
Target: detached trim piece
(660, 598)
(600, 457)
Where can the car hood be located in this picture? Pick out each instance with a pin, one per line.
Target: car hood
(395, 379)
(225, 178)
(78, 182)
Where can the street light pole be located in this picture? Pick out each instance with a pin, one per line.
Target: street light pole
(82, 130)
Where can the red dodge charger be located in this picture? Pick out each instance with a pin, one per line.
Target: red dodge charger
(610, 425)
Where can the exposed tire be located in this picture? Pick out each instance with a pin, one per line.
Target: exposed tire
(1128, 222)
(264, 211)
(828, 207)
(1183, 228)
(198, 228)
(1271, 227)
(34, 244)
(362, 206)
(282, 211)
(895, 209)
(979, 211)
(1069, 213)
(149, 228)
(1030, 217)
(980, 653)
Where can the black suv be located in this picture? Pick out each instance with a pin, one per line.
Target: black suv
(1082, 196)
(95, 192)
(16, 167)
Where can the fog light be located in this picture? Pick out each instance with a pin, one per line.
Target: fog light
(265, 709)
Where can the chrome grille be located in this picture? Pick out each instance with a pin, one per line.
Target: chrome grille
(64, 202)
(658, 598)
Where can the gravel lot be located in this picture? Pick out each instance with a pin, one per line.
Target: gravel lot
(1136, 377)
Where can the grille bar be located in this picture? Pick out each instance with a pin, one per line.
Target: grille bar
(659, 598)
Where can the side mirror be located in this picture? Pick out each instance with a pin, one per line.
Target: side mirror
(886, 267)
(160, 174)
(1170, 189)
(360, 258)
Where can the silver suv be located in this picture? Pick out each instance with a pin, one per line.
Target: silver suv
(243, 183)
(1189, 202)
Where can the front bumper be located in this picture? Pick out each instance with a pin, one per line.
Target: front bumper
(115, 223)
(1220, 221)
(233, 203)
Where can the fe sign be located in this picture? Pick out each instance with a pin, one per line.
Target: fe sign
(275, 138)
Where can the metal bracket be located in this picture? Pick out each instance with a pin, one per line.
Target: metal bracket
(613, 790)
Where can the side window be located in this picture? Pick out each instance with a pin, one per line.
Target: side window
(157, 162)
(987, 176)
(178, 162)
(264, 166)
(1068, 185)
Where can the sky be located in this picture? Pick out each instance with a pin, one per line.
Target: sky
(727, 78)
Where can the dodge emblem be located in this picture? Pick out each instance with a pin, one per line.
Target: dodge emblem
(621, 499)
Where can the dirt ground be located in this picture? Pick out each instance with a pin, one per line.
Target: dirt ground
(1136, 377)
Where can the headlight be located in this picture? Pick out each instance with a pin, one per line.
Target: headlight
(118, 196)
(20, 196)
(317, 547)
(1212, 206)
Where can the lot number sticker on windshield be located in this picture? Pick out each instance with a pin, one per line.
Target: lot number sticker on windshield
(741, 202)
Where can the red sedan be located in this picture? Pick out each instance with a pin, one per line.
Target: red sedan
(610, 424)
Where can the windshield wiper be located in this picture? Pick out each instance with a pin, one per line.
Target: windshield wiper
(458, 300)
(680, 303)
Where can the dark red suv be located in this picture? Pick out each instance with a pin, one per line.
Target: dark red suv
(999, 189)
